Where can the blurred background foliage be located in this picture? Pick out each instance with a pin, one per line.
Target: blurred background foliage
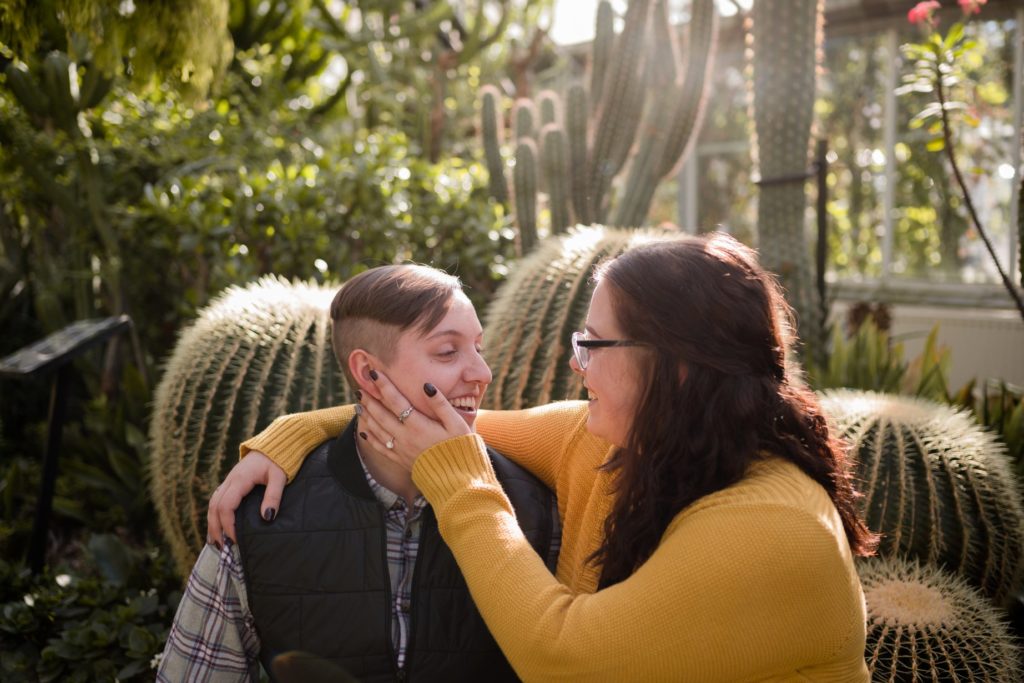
(153, 153)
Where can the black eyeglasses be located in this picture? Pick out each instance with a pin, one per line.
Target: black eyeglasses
(581, 346)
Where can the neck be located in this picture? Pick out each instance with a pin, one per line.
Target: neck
(387, 473)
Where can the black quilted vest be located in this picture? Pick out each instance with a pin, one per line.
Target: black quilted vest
(317, 576)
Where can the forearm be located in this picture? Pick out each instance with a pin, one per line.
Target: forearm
(537, 438)
(290, 438)
(719, 585)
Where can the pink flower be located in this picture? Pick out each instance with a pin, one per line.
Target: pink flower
(971, 6)
(923, 12)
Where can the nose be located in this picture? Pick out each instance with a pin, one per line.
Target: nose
(478, 371)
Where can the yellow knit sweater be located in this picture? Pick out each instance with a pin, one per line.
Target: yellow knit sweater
(753, 583)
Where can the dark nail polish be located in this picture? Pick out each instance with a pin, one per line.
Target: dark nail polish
(228, 542)
(363, 436)
(359, 395)
(429, 389)
(269, 514)
(217, 545)
(374, 375)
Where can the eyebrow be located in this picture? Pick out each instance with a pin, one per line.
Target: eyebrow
(450, 333)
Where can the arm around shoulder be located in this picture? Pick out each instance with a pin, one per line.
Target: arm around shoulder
(290, 438)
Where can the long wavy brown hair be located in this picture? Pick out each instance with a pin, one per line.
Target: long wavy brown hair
(704, 303)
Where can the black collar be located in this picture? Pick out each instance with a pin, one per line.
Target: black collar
(343, 463)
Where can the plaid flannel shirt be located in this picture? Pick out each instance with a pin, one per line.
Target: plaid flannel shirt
(214, 636)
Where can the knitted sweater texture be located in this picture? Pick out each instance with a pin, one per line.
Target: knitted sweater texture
(755, 582)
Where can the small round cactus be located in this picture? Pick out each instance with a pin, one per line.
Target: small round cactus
(253, 354)
(925, 624)
(936, 485)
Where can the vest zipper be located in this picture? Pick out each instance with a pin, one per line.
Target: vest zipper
(387, 589)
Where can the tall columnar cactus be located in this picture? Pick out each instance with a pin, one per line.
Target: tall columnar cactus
(785, 53)
(927, 625)
(635, 84)
(936, 485)
(527, 326)
(254, 353)
(555, 157)
(524, 181)
(492, 133)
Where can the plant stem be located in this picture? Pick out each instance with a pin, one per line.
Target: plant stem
(948, 139)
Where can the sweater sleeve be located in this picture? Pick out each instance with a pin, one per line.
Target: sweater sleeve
(733, 592)
(290, 438)
(537, 438)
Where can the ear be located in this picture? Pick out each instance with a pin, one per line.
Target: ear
(360, 362)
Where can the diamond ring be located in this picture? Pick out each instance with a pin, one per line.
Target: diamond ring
(390, 443)
(404, 415)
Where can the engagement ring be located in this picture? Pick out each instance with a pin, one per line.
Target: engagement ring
(390, 443)
(402, 416)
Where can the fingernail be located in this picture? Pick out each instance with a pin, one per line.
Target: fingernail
(359, 409)
(374, 375)
(429, 389)
(363, 435)
(269, 514)
(217, 545)
(359, 395)
(227, 541)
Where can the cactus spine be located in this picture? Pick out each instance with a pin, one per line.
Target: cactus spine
(936, 485)
(492, 133)
(631, 88)
(927, 625)
(527, 326)
(253, 354)
(785, 54)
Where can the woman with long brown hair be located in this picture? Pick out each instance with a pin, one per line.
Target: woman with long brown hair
(709, 517)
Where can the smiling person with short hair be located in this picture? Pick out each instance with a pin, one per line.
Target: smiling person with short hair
(353, 569)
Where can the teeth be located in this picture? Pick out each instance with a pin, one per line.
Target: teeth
(464, 402)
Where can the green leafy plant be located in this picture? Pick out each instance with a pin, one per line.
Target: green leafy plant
(938, 71)
(101, 625)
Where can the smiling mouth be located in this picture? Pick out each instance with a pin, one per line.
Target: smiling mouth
(465, 404)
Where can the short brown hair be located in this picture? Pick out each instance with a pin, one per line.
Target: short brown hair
(374, 307)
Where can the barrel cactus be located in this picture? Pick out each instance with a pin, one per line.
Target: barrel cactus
(927, 625)
(936, 485)
(253, 354)
(545, 299)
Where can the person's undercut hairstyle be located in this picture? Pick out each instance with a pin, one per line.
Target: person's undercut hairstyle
(372, 309)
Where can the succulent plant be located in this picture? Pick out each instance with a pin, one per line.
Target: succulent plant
(785, 52)
(635, 85)
(936, 485)
(253, 354)
(527, 326)
(925, 624)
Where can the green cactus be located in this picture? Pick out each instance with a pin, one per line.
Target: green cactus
(576, 129)
(550, 108)
(254, 353)
(604, 41)
(634, 85)
(524, 114)
(524, 180)
(936, 485)
(555, 158)
(927, 625)
(786, 53)
(527, 326)
(492, 132)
